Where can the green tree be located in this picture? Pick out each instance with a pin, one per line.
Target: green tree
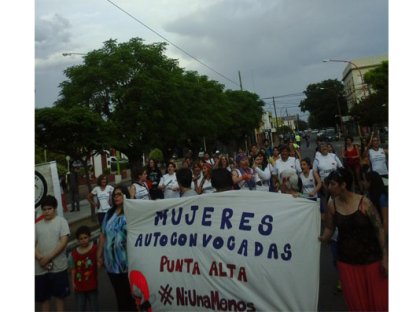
(373, 110)
(76, 132)
(156, 154)
(134, 87)
(241, 115)
(323, 101)
(150, 102)
(42, 154)
(377, 78)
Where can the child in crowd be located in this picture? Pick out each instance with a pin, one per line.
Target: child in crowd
(51, 238)
(311, 182)
(83, 266)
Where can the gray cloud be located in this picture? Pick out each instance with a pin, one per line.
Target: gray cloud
(51, 35)
(282, 34)
(277, 45)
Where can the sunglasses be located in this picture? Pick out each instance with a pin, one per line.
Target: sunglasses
(118, 194)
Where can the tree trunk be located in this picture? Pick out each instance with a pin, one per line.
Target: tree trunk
(135, 165)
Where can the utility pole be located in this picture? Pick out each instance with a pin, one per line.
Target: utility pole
(240, 80)
(275, 114)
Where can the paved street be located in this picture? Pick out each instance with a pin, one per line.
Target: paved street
(329, 298)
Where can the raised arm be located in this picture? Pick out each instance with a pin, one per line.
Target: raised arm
(299, 156)
(263, 174)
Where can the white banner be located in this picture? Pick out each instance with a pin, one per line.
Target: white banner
(47, 183)
(229, 251)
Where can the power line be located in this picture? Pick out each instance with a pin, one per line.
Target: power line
(176, 46)
(284, 95)
(291, 106)
(283, 103)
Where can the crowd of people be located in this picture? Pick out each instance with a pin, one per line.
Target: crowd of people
(355, 215)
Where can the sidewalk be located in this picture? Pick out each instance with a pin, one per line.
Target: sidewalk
(78, 215)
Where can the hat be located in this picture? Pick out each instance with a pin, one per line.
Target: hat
(241, 156)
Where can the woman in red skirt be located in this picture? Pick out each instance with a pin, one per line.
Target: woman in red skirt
(361, 247)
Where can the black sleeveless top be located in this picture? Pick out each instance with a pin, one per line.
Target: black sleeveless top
(357, 242)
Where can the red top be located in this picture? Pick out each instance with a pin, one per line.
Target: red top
(86, 269)
(351, 153)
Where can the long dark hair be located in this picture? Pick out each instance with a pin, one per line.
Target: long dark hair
(264, 163)
(123, 190)
(111, 211)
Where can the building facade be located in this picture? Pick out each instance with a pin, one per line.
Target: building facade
(354, 86)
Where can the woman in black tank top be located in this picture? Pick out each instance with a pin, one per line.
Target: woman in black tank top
(361, 247)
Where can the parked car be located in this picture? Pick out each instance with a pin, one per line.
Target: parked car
(328, 135)
(331, 135)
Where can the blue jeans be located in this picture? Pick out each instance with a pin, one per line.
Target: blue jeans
(87, 296)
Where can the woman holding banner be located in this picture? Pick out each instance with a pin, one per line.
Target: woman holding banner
(361, 247)
(112, 249)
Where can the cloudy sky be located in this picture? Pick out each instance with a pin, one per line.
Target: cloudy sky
(277, 45)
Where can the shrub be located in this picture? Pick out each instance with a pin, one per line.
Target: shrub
(156, 154)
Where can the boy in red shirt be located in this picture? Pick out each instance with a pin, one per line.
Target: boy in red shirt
(84, 273)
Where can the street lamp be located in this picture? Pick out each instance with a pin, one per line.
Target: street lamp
(68, 168)
(355, 66)
(73, 53)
